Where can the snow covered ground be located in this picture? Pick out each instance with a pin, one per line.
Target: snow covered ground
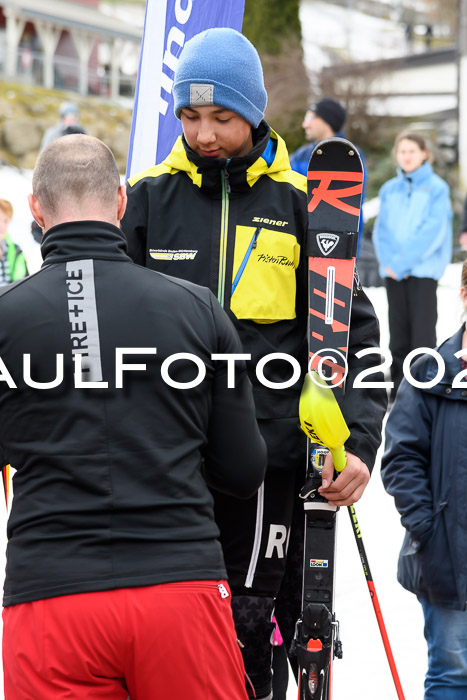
(363, 672)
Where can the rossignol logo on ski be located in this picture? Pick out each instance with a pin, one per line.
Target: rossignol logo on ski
(334, 197)
(327, 242)
(319, 563)
(161, 254)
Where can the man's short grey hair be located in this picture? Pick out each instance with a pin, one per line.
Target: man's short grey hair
(74, 170)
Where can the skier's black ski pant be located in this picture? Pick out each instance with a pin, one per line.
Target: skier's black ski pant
(289, 599)
(254, 536)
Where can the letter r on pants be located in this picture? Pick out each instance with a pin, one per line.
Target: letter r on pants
(277, 540)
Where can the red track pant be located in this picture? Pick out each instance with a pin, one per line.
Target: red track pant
(173, 641)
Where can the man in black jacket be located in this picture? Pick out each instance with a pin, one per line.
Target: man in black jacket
(116, 418)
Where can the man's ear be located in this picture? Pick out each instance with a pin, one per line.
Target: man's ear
(36, 209)
(121, 202)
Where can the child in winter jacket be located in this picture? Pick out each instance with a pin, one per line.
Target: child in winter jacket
(12, 263)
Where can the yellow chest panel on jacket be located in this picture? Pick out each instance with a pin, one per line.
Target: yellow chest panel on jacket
(265, 262)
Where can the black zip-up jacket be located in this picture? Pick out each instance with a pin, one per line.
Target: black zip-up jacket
(110, 489)
(239, 227)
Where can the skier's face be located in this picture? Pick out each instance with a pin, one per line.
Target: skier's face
(409, 155)
(215, 132)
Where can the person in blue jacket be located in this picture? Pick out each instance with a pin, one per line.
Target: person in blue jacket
(413, 243)
(424, 467)
(322, 120)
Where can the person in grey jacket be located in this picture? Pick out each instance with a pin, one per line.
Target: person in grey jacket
(68, 124)
(425, 468)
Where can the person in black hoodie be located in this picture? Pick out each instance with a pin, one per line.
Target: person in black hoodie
(116, 418)
(225, 210)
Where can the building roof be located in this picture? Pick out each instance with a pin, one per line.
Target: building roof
(71, 15)
(425, 59)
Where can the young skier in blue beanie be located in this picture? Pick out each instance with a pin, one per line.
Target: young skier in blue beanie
(237, 86)
(225, 210)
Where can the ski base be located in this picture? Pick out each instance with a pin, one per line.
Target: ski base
(316, 640)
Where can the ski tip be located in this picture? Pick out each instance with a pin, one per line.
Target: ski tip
(333, 146)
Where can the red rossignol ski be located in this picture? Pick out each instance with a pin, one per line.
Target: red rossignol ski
(335, 184)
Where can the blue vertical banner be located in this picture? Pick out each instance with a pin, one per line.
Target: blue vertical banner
(168, 25)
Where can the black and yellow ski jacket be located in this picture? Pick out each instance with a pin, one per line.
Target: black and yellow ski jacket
(239, 226)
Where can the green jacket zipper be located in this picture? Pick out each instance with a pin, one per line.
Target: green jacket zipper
(224, 235)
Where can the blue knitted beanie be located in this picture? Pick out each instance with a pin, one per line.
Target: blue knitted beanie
(221, 67)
